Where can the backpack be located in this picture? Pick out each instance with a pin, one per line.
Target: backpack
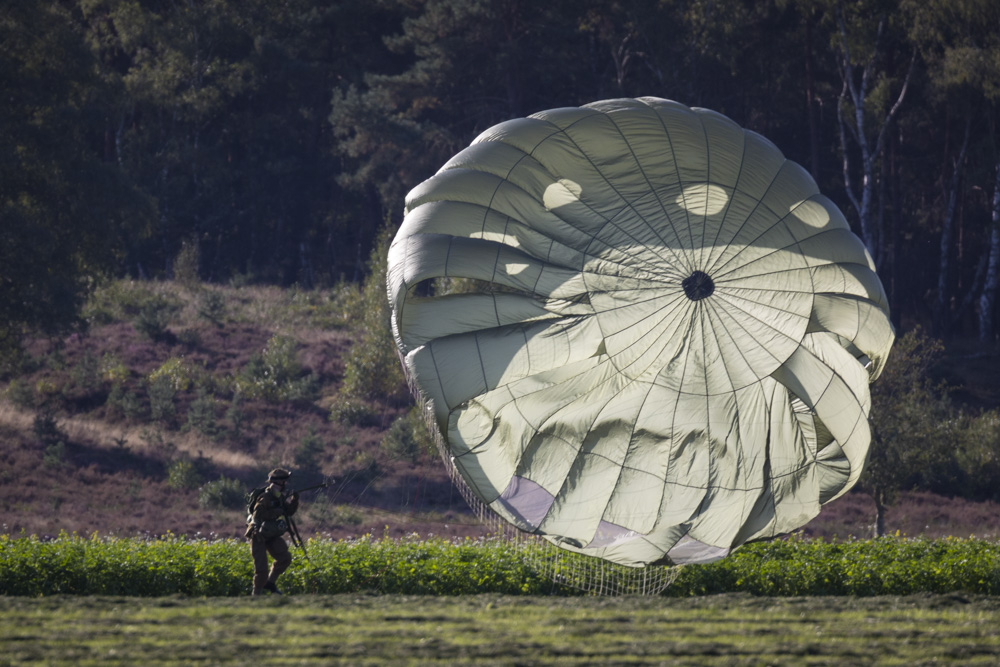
(252, 497)
(266, 529)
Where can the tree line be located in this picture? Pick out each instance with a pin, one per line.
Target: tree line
(259, 141)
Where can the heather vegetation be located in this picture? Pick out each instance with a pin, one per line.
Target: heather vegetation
(180, 396)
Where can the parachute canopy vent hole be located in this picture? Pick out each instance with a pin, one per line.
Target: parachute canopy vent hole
(698, 285)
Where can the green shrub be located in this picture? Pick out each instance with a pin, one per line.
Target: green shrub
(201, 414)
(408, 438)
(223, 493)
(212, 307)
(352, 412)
(794, 567)
(325, 514)
(371, 367)
(308, 452)
(274, 374)
(123, 402)
(113, 369)
(187, 264)
(162, 392)
(153, 317)
(21, 394)
(86, 373)
(183, 475)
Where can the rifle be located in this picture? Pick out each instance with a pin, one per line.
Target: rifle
(293, 530)
(310, 488)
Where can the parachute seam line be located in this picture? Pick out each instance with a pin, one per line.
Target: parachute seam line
(660, 332)
(712, 464)
(708, 312)
(680, 183)
(670, 305)
(447, 256)
(437, 374)
(716, 269)
(587, 253)
(506, 179)
(666, 271)
(627, 204)
(659, 335)
(655, 268)
(796, 242)
(582, 453)
(482, 366)
(834, 374)
(731, 300)
(708, 177)
(720, 314)
(638, 163)
(729, 199)
(802, 254)
(673, 416)
(729, 281)
(628, 450)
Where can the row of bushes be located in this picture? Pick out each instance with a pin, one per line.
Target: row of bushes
(205, 567)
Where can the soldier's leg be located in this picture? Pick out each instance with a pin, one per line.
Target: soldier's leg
(258, 550)
(282, 558)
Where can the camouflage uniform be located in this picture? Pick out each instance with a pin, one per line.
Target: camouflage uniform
(265, 532)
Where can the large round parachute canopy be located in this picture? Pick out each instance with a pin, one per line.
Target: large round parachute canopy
(670, 348)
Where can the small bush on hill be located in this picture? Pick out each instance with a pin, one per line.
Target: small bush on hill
(308, 452)
(212, 307)
(86, 374)
(223, 493)
(371, 368)
(183, 474)
(153, 316)
(201, 414)
(352, 412)
(408, 437)
(21, 393)
(274, 374)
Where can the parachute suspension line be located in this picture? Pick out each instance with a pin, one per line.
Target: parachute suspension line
(594, 576)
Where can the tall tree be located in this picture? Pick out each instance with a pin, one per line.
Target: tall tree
(64, 211)
(223, 118)
(871, 96)
(960, 41)
(469, 65)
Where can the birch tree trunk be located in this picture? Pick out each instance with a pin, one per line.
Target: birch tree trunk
(854, 98)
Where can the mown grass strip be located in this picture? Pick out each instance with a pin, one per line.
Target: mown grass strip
(176, 566)
(499, 630)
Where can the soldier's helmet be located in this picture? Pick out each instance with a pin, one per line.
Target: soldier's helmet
(278, 475)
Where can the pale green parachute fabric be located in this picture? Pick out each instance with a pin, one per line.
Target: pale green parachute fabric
(674, 355)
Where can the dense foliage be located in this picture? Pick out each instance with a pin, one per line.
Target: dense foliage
(267, 141)
(173, 565)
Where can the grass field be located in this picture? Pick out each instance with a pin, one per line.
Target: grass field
(497, 630)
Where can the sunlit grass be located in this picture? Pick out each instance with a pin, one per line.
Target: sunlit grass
(489, 629)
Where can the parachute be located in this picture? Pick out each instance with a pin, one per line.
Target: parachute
(670, 339)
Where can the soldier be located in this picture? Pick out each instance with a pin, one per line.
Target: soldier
(268, 510)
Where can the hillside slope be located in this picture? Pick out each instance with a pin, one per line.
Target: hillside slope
(179, 399)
